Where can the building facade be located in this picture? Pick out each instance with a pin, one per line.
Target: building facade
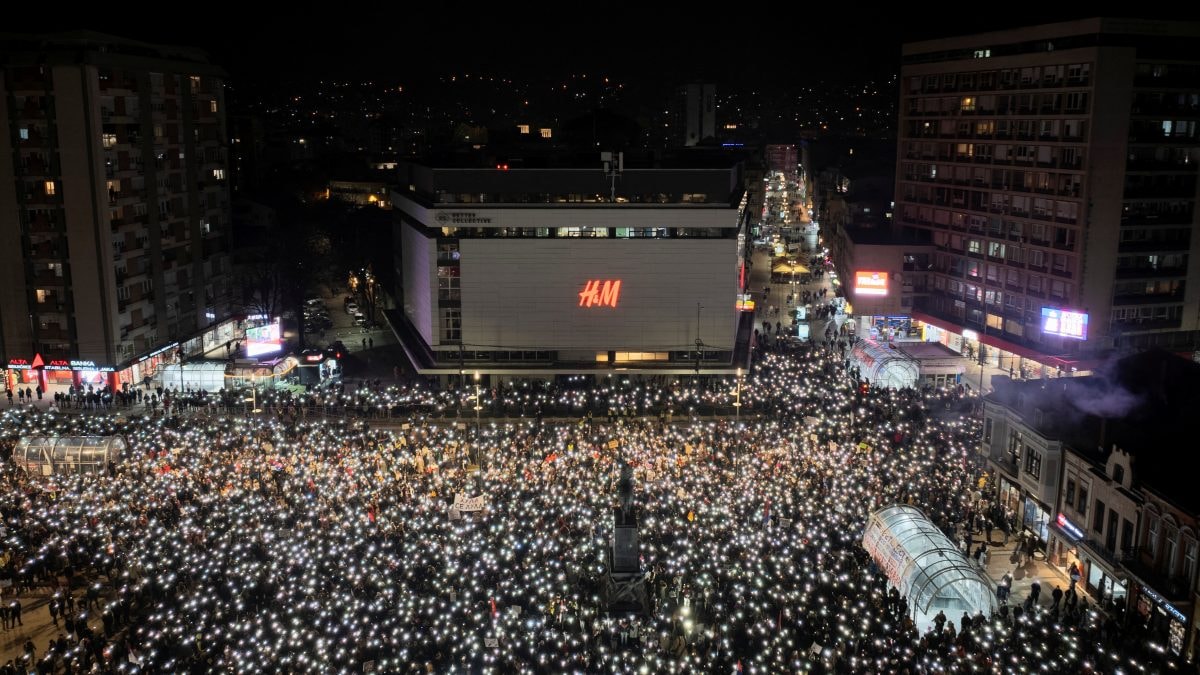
(1097, 519)
(696, 111)
(115, 212)
(1024, 455)
(1053, 168)
(553, 270)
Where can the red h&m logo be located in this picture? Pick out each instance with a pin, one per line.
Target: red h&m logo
(596, 292)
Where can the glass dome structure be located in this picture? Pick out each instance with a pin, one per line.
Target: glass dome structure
(926, 567)
(67, 455)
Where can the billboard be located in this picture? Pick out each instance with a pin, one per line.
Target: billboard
(870, 283)
(640, 295)
(264, 339)
(1065, 323)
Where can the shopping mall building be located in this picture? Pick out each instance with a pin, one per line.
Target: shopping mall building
(571, 266)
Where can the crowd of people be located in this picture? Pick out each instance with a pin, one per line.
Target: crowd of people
(270, 543)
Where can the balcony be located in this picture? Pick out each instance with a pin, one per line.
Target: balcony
(1172, 587)
(1154, 246)
(45, 278)
(1150, 273)
(1147, 299)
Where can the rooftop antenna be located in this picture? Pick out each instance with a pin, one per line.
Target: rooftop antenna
(614, 164)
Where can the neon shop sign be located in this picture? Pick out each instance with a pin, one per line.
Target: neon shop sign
(602, 293)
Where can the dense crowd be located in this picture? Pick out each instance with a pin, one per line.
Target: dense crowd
(267, 543)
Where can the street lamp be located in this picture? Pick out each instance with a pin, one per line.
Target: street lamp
(737, 404)
(737, 417)
(477, 405)
(478, 443)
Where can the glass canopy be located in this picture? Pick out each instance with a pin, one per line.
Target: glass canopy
(926, 567)
(58, 455)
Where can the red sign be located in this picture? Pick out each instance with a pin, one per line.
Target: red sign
(58, 364)
(596, 292)
(37, 361)
(18, 364)
(870, 283)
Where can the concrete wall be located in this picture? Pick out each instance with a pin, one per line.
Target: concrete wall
(419, 278)
(525, 293)
(1104, 189)
(85, 207)
(16, 340)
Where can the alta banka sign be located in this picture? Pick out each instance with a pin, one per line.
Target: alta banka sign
(600, 293)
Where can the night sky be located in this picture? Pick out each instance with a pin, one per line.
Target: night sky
(392, 42)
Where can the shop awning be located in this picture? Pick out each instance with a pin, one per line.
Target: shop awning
(785, 267)
(990, 340)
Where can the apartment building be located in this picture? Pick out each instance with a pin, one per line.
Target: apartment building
(114, 211)
(1053, 168)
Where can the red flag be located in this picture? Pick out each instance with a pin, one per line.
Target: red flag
(493, 601)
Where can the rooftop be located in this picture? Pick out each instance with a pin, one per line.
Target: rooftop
(1145, 404)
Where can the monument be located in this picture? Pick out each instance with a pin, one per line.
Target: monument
(625, 587)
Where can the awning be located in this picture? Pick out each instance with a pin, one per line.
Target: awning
(990, 340)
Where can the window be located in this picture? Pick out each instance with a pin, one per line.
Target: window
(1152, 536)
(212, 106)
(42, 295)
(219, 174)
(1015, 442)
(1070, 499)
(1189, 558)
(967, 104)
(987, 430)
(546, 133)
(1083, 500)
(1118, 473)
(1098, 517)
(1126, 535)
(524, 129)
(1170, 550)
(23, 132)
(49, 188)
(108, 140)
(1033, 462)
(451, 325)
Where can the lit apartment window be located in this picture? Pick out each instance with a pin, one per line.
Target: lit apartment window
(219, 174)
(49, 188)
(968, 104)
(523, 128)
(212, 106)
(42, 295)
(983, 53)
(24, 133)
(108, 140)
(546, 133)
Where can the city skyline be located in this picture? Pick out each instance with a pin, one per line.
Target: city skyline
(382, 43)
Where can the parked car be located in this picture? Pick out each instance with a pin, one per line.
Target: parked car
(352, 308)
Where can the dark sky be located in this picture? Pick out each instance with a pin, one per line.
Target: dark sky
(299, 41)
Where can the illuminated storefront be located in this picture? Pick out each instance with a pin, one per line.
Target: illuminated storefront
(63, 373)
(1164, 620)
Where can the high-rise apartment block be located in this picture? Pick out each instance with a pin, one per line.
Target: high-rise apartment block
(114, 210)
(1053, 168)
